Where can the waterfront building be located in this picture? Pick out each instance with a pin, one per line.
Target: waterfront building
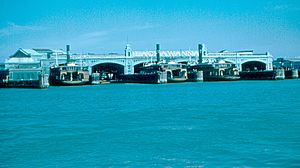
(287, 64)
(24, 65)
(43, 57)
(69, 73)
(290, 67)
(131, 60)
(245, 60)
(24, 68)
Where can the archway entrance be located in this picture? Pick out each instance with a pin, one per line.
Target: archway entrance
(253, 66)
(108, 71)
(137, 67)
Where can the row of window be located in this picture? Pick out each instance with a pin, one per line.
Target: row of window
(23, 76)
(18, 66)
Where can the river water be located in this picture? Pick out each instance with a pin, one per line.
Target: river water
(211, 124)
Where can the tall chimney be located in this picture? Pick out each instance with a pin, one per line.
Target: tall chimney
(157, 52)
(200, 51)
(68, 53)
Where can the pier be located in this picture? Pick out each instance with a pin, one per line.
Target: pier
(31, 67)
(131, 61)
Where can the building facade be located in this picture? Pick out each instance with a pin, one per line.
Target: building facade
(287, 64)
(131, 60)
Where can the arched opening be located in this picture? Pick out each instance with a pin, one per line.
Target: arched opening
(222, 73)
(169, 74)
(253, 66)
(137, 67)
(236, 72)
(108, 71)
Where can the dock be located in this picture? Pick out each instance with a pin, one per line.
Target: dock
(32, 67)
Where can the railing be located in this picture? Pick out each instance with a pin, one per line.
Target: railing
(164, 54)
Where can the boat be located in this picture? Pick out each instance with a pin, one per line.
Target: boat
(149, 73)
(176, 72)
(218, 71)
(69, 73)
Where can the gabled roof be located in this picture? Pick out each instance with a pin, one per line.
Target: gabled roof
(31, 52)
(25, 53)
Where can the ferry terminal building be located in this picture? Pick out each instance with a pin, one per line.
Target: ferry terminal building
(28, 63)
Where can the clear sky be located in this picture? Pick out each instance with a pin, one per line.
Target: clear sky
(102, 26)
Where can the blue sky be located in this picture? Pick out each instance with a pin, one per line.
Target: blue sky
(103, 26)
